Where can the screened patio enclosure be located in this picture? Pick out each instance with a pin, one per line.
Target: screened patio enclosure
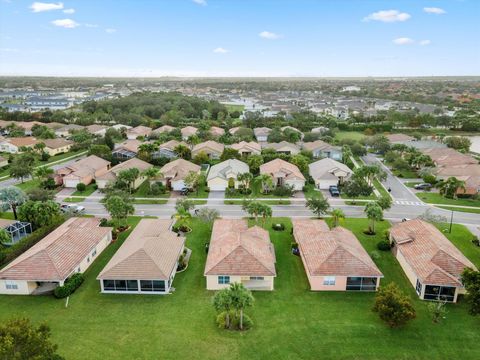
(17, 231)
(362, 283)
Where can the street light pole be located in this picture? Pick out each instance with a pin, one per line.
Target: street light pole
(451, 222)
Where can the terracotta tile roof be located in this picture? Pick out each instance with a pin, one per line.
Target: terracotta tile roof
(216, 131)
(448, 156)
(22, 141)
(335, 252)
(432, 257)
(151, 251)
(56, 143)
(85, 166)
(140, 130)
(6, 222)
(163, 129)
(233, 130)
(318, 145)
(262, 131)
(251, 146)
(281, 166)
(188, 131)
(95, 128)
(132, 163)
(59, 253)
(399, 138)
(283, 146)
(328, 169)
(178, 169)
(130, 145)
(208, 146)
(236, 249)
(172, 144)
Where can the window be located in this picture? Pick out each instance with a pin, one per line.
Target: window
(329, 280)
(109, 285)
(257, 278)
(120, 285)
(223, 279)
(88, 259)
(146, 285)
(444, 293)
(152, 285)
(11, 285)
(362, 283)
(132, 285)
(418, 288)
(94, 252)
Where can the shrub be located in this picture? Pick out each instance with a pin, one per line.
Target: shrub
(384, 245)
(294, 245)
(157, 189)
(475, 241)
(234, 321)
(286, 191)
(278, 227)
(375, 255)
(81, 187)
(393, 307)
(106, 223)
(71, 284)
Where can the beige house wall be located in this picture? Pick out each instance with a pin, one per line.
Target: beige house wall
(63, 149)
(24, 287)
(297, 184)
(220, 181)
(412, 277)
(88, 260)
(260, 285)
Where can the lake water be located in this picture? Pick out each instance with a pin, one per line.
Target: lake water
(475, 144)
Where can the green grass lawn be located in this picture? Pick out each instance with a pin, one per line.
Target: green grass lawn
(354, 135)
(449, 208)
(436, 198)
(89, 190)
(28, 185)
(289, 323)
(233, 107)
(411, 184)
(380, 188)
(59, 157)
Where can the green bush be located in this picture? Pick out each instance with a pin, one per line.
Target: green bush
(12, 252)
(234, 321)
(81, 187)
(384, 245)
(71, 284)
(375, 255)
(157, 189)
(286, 191)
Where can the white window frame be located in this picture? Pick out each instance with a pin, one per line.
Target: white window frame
(329, 280)
(222, 279)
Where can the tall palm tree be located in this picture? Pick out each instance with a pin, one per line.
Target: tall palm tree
(337, 215)
(241, 298)
(265, 181)
(43, 172)
(222, 301)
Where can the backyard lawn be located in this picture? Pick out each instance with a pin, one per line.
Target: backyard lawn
(353, 135)
(289, 323)
(436, 198)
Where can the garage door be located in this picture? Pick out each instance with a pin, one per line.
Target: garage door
(325, 184)
(218, 187)
(70, 183)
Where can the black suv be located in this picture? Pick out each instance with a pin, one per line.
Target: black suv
(334, 190)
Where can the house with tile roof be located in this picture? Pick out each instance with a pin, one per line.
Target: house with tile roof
(57, 146)
(432, 264)
(126, 150)
(225, 174)
(239, 254)
(71, 248)
(167, 150)
(261, 133)
(216, 131)
(334, 259)
(399, 138)
(14, 145)
(245, 148)
(211, 148)
(283, 173)
(188, 131)
(147, 261)
(173, 174)
(163, 129)
(111, 175)
(321, 149)
(81, 171)
(327, 172)
(283, 147)
(138, 131)
(66, 131)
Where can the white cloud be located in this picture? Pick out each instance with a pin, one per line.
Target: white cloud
(387, 16)
(220, 50)
(434, 10)
(269, 35)
(111, 30)
(65, 23)
(69, 11)
(91, 25)
(200, 2)
(403, 41)
(40, 7)
(425, 42)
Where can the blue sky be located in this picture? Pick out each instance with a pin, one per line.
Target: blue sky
(240, 38)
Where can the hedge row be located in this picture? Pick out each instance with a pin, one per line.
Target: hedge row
(70, 285)
(8, 254)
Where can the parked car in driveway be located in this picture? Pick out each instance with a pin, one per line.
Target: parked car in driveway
(72, 208)
(334, 190)
(184, 191)
(423, 186)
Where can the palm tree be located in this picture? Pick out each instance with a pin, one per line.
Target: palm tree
(146, 150)
(266, 182)
(43, 172)
(129, 176)
(150, 174)
(182, 215)
(346, 153)
(265, 212)
(222, 301)
(374, 213)
(337, 215)
(450, 187)
(183, 152)
(245, 179)
(241, 298)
